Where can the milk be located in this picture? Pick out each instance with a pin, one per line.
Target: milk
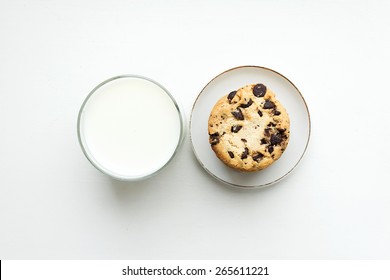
(130, 127)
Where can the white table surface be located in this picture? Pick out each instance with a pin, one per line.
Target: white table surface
(55, 205)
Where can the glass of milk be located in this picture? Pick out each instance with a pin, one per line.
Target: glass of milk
(130, 127)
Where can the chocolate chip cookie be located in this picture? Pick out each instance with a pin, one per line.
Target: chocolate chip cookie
(248, 128)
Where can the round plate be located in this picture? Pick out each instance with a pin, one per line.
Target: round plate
(290, 97)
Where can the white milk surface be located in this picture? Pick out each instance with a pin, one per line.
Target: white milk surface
(130, 127)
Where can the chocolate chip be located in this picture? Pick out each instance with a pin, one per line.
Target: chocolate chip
(270, 149)
(214, 138)
(257, 157)
(260, 113)
(238, 114)
(267, 132)
(259, 90)
(250, 102)
(231, 154)
(281, 130)
(276, 139)
(236, 128)
(245, 153)
(231, 95)
(263, 141)
(271, 124)
(268, 104)
(276, 113)
(243, 140)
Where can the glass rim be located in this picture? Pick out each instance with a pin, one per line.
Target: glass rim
(89, 155)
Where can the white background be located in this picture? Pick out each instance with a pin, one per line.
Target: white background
(55, 205)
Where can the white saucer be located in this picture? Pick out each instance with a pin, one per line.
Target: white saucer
(289, 96)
